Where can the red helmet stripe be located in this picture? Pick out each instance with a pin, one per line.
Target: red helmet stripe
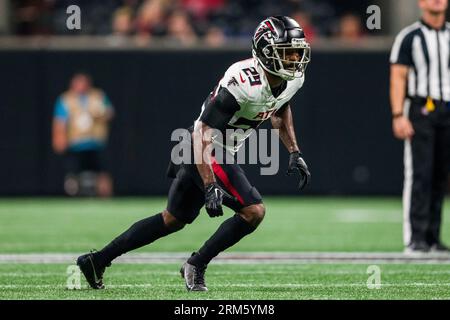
(269, 25)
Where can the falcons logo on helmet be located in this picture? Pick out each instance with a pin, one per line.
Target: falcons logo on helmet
(265, 28)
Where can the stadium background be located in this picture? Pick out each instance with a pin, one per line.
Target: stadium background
(157, 76)
(342, 113)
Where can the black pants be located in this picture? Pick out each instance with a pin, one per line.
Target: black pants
(187, 197)
(426, 159)
(90, 160)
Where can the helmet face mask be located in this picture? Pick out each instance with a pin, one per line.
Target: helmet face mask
(287, 68)
(275, 43)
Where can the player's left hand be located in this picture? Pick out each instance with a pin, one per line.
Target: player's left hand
(214, 196)
(297, 164)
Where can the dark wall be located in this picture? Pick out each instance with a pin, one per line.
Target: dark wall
(341, 115)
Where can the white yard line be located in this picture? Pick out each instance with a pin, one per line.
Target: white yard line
(241, 258)
(26, 274)
(235, 285)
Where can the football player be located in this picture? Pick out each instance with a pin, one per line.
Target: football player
(250, 92)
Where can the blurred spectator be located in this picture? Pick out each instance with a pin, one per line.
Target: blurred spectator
(200, 9)
(304, 19)
(80, 132)
(32, 17)
(213, 20)
(180, 29)
(150, 20)
(122, 24)
(350, 28)
(214, 37)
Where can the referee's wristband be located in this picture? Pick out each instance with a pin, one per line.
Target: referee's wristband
(397, 115)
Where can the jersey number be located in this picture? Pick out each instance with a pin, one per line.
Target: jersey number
(253, 76)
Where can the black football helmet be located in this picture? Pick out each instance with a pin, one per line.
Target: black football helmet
(272, 38)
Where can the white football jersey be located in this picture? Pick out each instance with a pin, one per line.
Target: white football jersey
(247, 82)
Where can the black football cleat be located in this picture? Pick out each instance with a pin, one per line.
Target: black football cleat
(439, 248)
(194, 277)
(417, 247)
(91, 270)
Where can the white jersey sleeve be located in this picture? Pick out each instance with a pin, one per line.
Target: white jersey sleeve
(236, 80)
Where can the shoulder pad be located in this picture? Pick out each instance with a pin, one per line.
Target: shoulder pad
(242, 80)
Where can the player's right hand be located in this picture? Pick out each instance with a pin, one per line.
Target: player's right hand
(298, 165)
(402, 128)
(214, 196)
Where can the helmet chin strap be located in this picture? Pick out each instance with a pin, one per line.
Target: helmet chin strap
(280, 75)
(286, 77)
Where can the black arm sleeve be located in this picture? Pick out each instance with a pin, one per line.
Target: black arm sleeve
(219, 109)
(402, 51)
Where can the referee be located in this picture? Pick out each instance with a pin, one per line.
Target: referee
(420, 102)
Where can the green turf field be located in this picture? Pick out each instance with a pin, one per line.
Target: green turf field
(291, 225)
(162, 281)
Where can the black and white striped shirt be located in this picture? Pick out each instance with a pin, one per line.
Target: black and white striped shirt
(426, 51)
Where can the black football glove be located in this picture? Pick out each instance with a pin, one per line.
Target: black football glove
(297, 164)
(214, 196)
